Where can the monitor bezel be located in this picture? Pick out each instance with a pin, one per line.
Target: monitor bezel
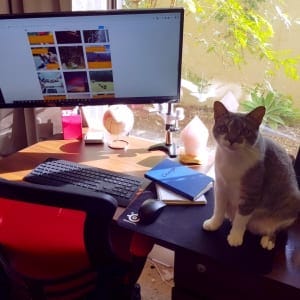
(108, 100)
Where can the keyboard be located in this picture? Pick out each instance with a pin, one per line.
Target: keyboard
(58, 172)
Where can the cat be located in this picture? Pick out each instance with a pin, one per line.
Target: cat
(255, 184)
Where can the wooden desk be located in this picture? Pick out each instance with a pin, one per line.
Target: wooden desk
(195, 272)
(134, 161)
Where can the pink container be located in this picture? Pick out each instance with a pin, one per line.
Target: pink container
(71, 125)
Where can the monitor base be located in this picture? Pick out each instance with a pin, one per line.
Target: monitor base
(118, 144)
(171, 149)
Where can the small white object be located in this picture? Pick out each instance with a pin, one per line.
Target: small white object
(179, 111)
(94, 137)
(118, 119)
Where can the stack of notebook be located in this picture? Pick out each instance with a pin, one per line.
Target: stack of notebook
(179, 184)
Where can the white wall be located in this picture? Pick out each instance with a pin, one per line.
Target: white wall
(211, 67)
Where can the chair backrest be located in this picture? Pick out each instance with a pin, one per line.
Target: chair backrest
(99, 208)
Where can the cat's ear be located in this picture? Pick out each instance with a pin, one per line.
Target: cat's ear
(257, 115)
(219, 110)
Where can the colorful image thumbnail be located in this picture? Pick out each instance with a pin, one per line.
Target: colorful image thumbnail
(51, 82)
(96, 36)
(54, 97)
(68, 37)
(101, 81)
(40, 38)
(76, 82)
(45, 58)
(71, 57)
(98, 57)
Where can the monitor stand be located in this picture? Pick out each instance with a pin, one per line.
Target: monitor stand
(171, 119)
(168, 148)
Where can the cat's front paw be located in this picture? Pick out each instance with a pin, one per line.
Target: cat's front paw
(235, 238)
(267, 242)
(211, 224)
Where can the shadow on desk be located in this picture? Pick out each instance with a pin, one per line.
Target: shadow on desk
(180, 228)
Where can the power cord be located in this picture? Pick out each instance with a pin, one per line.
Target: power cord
(166, 273)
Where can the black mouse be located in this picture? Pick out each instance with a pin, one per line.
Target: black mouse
(150, 209)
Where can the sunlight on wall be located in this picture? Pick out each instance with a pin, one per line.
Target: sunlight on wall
(211, 67)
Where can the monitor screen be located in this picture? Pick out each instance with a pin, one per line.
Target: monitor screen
(91, 58)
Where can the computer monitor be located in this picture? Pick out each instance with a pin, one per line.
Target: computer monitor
(91, 58)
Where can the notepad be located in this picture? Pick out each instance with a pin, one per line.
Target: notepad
(172, 198)
(180, 179)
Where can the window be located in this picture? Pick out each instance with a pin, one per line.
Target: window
(207, 76)
(89, 5)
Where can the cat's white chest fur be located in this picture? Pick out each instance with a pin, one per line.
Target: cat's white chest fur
(230, 166)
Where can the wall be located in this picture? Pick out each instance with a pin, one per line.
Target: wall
(211, 66)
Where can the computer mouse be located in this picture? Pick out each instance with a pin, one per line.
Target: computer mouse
(150, 209)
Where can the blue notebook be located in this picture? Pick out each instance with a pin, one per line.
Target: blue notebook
(180, 179)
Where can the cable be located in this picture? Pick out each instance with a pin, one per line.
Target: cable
(158, 268)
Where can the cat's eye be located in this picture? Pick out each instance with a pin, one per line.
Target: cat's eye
(222, 129)
(246, 131)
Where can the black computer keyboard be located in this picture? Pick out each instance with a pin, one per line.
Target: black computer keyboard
(58, 172)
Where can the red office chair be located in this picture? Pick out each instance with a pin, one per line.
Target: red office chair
(70, 250)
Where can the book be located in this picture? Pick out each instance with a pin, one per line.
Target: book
(180, 179)
(172, 198)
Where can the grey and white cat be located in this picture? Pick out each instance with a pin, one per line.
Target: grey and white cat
(255, 184)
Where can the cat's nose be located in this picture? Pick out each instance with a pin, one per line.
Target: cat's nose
(233, 140)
